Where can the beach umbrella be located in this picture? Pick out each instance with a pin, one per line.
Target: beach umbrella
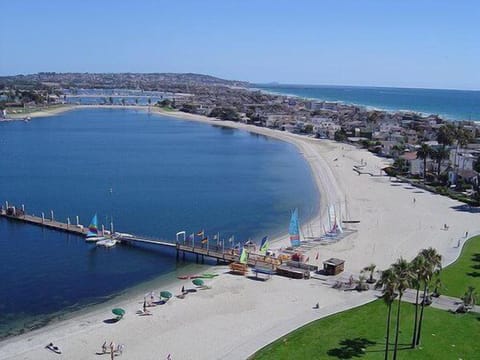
(119, 312)
(166, 294)
(197, 282)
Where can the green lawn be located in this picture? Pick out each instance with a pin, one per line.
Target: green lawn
(464, 272)
(344, 335)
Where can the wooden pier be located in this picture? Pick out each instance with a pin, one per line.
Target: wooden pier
(48, 223)
(201, 252)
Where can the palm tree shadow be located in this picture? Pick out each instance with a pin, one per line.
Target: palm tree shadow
(350, 348)
(476, 257)
(474, 274)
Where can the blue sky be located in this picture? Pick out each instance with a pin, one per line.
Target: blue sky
(408, 43)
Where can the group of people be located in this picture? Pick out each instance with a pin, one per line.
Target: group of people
(114, 350)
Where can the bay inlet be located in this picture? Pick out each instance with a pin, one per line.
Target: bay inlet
(153, 176)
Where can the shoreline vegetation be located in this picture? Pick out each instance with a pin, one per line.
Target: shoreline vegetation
(395, 220)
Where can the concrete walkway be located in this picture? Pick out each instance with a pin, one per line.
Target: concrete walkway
(442, 302)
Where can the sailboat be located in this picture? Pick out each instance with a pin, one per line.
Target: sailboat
(93, 234)
(334, 226)
(294, 229)
(108, 242)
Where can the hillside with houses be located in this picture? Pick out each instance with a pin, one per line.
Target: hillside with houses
(428, 151)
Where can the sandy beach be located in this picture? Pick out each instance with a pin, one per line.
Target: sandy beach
(239, 315)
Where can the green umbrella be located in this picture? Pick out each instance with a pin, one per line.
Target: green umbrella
(166, 294)
(119, 312)
(198, 282)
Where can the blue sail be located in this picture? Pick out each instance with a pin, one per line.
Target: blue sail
(93, 227)
(294, 229)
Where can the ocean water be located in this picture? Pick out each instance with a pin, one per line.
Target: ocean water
(154, 176)
(450, 104)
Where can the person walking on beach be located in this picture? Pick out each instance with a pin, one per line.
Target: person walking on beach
(112, 350)
(104, 347)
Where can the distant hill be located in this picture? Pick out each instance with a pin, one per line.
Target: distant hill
(146, 81)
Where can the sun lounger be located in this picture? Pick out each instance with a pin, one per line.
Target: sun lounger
(53, 348)
(143, 313)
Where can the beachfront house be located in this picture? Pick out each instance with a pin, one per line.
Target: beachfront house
(413, 163)
(463, 159)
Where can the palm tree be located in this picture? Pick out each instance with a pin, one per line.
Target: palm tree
(433, 265)
(423, 153)
(463, 137)
(387, 284)
(417, 265)
(446, 135)
(403, 279)
(370, 268)
(361, 285)
(439, 155)
(438, 286)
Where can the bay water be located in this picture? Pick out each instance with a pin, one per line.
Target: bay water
(153, 175)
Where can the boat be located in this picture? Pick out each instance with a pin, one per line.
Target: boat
(107, 242)
(334, 226)
(203, 276)
(93, 234)
(294, 229)
(123, 235)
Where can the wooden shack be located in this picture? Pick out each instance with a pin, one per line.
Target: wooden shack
(333, 266)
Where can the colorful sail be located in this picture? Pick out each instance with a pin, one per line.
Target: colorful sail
(93, 227)
(264, 245)
(294, 229)
(244, 256)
